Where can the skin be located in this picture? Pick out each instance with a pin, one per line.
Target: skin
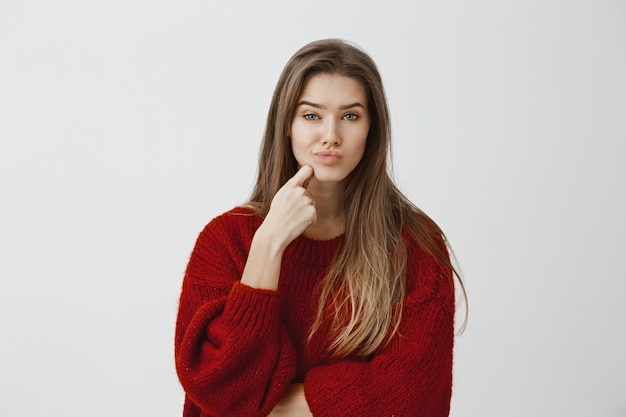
(328, 136)
(331, 117)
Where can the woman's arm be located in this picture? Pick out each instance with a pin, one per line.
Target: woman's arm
(411, 376)
(233, 356)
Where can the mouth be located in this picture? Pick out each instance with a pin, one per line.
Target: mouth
(328, 157)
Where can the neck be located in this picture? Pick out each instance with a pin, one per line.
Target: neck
(330, 212)
(328, 201)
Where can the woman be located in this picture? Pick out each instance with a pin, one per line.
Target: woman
(328, 293)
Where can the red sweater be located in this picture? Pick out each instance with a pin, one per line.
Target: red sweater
(238, 348)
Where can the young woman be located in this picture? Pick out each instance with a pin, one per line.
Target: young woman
(328, 293)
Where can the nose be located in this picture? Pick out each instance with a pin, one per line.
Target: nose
(331, 135)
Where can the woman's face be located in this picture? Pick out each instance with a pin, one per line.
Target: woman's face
(330, 126)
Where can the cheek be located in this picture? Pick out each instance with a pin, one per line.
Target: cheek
(359, 148)
(297, 150)
(301, 139)
(295, 144)
(363, 141)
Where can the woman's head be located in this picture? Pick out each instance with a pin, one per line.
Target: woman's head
(330, 127)
(333, 57)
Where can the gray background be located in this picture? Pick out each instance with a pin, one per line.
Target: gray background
(125, 126)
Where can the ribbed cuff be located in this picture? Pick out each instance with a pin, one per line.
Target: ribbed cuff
(252, 309)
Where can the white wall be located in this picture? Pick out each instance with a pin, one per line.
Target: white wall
(126, 125)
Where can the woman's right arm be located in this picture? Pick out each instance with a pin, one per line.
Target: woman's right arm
(233, 356)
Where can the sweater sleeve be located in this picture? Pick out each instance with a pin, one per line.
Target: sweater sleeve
(411, 376)
(233, 356)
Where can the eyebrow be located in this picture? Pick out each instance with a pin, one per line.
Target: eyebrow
(319, 106)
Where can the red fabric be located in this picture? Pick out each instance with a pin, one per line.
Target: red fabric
(238, 348)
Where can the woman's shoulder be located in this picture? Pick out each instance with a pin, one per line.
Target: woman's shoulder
(428, 277)
(226, 239)
(236, 224)
(237, 217)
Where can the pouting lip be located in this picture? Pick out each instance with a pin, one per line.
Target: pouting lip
(336, 154)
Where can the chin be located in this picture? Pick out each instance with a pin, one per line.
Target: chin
(328, 177)
(330, 174)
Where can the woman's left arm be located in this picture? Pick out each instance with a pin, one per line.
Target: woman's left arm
(411, 376)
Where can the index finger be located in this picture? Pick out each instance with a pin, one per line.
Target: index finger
(303, 175)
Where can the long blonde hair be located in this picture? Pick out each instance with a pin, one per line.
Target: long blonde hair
(361, 292)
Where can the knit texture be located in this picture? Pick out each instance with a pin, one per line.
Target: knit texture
(238, 348)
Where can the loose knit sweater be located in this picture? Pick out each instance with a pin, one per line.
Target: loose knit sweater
(238, 348)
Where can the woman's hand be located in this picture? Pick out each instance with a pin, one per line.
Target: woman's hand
(291, 212)
(292, 404)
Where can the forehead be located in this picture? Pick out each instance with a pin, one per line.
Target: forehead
(333, 87)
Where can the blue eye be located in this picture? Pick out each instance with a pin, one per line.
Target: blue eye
(351, 117)
(311, 116)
